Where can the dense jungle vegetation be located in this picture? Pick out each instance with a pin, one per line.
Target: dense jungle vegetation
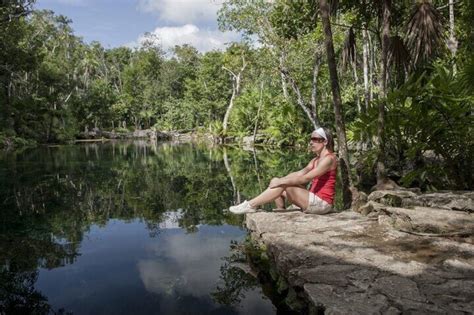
(393, 79)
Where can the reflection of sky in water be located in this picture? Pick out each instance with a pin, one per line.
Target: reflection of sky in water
(122, 270)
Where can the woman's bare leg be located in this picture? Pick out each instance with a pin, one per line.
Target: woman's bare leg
(269, 195)
(280, 201)
(298, 196)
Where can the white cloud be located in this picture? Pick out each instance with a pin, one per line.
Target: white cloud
(182, 11)
(202, 40)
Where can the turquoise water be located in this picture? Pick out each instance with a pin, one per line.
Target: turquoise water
(122, 228)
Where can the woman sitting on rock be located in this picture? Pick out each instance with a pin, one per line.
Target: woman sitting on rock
(321, 171)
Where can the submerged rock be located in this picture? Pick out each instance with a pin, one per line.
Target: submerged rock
(349, 263)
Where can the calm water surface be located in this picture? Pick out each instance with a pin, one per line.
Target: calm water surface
(122, 228)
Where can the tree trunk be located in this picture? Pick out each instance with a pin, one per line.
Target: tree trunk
(340, 127)
(235, 87)
(365, 61)
(236, 78)
(314, 89)
(9, 123)
(258, 113)
(381, 171)
(452, 43)
(356, 83)
(373, 67)
(283, 80)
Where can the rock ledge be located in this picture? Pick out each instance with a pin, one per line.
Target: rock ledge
(390, 261)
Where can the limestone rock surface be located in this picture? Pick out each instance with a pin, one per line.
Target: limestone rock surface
(348, 263)
(448, 200)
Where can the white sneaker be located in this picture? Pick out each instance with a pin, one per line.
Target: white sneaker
(244, 207)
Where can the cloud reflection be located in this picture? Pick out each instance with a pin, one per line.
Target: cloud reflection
(187, 264)
(185, 268)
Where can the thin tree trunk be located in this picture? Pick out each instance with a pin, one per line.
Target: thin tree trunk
(282, 76)
(236, 78)
(340, 127)
(452, 43)
(381, 171)
(9, 123)
(372, 68)
(314, 89)
(356, 83)
(365, 62)
(258, 113)
(235, 86)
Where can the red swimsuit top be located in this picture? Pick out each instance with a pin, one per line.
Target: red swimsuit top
(324, 186)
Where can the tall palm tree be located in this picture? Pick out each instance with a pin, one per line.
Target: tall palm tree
(386, 13)
(336, 94)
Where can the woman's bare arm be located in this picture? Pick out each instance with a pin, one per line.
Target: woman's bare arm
(301, 177)
(301, 172)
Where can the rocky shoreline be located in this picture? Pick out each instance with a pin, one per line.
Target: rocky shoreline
(401, 252)
(150, 134)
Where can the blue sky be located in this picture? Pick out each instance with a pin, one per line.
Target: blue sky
(123, 22)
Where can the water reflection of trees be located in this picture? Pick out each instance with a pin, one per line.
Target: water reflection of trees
(235, 280)
(18, 296)
(97, 182)
(248, 268)
(50, 197)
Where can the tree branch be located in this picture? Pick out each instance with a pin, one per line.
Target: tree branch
(446, 5)
(233, 74)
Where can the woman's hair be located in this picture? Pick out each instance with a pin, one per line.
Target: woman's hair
(330, 145)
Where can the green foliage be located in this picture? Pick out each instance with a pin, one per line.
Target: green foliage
(429, 141)
(466, 76)
(53, 86)
(246, 107)
(8, 142)
(292, 19)
(176, 115)
(287, 124)
(216, 128)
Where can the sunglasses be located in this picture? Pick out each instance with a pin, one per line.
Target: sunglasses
(317, 140)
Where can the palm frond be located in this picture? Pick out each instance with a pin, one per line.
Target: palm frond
(466, 76)
(349, 50)
(398, 55)
(425, 33)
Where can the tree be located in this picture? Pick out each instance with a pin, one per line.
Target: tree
(277, 26)
(236, 77)
(13, 57)
(381, 172)
(340, 126)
